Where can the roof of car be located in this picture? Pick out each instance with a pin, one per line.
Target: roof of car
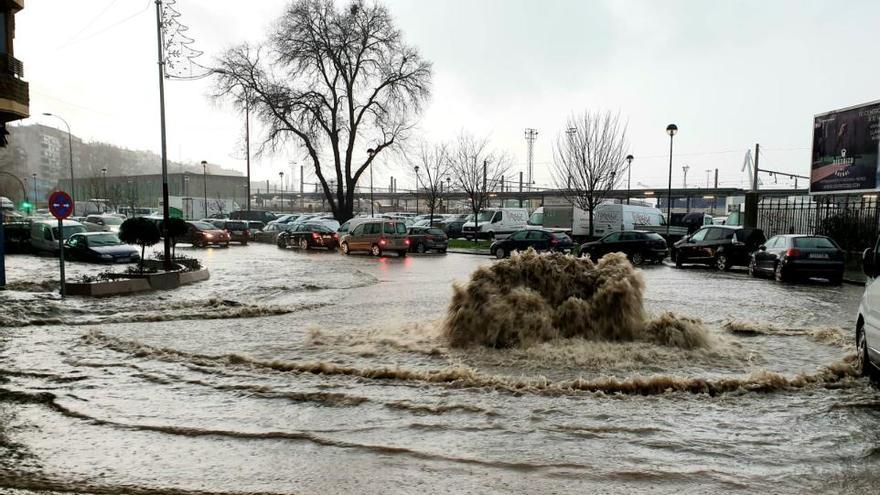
(91, 234)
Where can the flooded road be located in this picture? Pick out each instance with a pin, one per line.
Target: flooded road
(291, 372)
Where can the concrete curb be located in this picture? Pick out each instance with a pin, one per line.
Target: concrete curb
(158, 281)
(465, 251)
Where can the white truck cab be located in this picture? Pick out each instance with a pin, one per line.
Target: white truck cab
(44, 234)
(868, 322)
(496, 221)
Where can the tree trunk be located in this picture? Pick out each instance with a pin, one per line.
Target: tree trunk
(591, 223)
(143, 247)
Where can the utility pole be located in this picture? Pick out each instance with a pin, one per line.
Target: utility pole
(247, 147)
(302, 199)
(755, 175)
(708, 177)
(716, 178)
(520, 189)
(685, 169)
(531, 135)
(165, 206)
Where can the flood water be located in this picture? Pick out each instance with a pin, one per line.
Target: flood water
(291, 372)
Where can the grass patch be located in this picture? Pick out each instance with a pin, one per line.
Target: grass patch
(466, 244)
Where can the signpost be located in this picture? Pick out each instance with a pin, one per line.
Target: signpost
(61, 206)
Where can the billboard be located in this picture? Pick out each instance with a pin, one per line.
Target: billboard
(846, 150)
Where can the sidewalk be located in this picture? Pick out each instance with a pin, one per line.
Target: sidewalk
(854, 276)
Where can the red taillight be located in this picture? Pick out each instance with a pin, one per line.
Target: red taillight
(406, 242)
(315, 235)
(381, 241)
(792, 252)
(554, 242)
(335, 235)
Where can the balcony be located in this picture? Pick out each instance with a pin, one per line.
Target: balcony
(14, 93)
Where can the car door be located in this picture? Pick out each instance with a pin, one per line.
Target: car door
(871, 311)
(692, 249)
(629, 242)
(775, 253)
(765, 259)
(608, 244)
(73, 246)
(536, 239)
(516, 241)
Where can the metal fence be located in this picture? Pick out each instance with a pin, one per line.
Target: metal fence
(851, 221)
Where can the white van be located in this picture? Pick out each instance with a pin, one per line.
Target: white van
(868, 322)
(44, 234)
(608, 217)
(494, 221)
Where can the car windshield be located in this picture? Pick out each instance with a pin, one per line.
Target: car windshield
(436, 232)
(112, 221)
(560, 236)
(395, 228)
(104, 240)
(236, 225)
(537, 218)
(485, 216)
(203, 226)
(69, 230)
(654, 236)
(814, 243)
(316, 227)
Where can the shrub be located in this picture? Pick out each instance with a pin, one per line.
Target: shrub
(141, 232)
(175, 229)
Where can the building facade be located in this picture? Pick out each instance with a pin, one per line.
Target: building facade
(14, 92)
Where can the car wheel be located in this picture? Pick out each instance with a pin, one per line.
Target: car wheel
(442, 251)
(779, 273)
(376, 250)
(244, 243)
(345, 250)
(679, 260)
(303, 243)
(722, 262)
(420, 248)
(281, 242)
(500, 254)
(864, 360)
(836, 279)
(637, 258)
(226, 245)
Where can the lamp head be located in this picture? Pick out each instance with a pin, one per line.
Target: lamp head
(371, 151)
(671, 129)
(629, 158)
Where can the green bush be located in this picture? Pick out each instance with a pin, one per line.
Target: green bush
(141, 232)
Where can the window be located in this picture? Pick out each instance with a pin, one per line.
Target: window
(629, 236)
(401, 228)
(47, 234)
(814, 243)
(498, 217)
(775, 241)
(535, 235)
(359, 230)
(374, 229)
(436, 232)
(519, 236)
(653, 236)
(714, 234)
(537, 218)
(699, 235)
(613, 237)
(344, 227)
(74, 241)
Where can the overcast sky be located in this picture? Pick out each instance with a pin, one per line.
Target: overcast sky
(729, 74)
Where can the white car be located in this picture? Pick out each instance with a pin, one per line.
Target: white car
(102, 223)
(868, 323)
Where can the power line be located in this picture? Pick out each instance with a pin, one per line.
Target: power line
(92, 21)
(111, 26)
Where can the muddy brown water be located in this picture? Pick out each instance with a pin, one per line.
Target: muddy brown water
(294, 372)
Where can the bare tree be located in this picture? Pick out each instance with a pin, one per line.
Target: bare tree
(333, 78)
(589, 159)
(433, 168)
(477, 170)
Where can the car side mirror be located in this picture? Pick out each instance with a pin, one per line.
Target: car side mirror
(869, 263)
(689, 240)
(762, 248)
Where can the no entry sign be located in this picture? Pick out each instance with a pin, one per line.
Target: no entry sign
(60, 205)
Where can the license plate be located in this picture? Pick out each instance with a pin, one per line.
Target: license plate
(819, 256)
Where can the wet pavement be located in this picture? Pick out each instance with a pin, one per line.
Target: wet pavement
(291, 372)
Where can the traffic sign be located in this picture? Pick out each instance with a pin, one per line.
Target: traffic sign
(60, 205)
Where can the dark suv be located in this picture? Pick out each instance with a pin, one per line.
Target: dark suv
(639, 247)
(718, 245)
(255, 215)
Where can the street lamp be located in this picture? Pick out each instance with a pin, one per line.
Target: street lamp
(35, 190)
(281, 184)
(372, 154)
(448, 192)
(70, 153)
(629, 162)
(205, 180)
(671, 129)
(416, 168)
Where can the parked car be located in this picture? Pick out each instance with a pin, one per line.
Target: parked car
(453, 225)
(202, 234)
(718, 245)
(258, 215)
(423, 239)
(100, 247)
(868, 320)
(270, 232)
(17, 237)
(536, 238)
(237, 229)
(45, 234)
(102, 223)
(377, 236)
(255, 225)
(308, 236)
(494, 221)
(789, 257)
(639, 246)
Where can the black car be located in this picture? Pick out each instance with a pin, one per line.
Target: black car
(424, 239)
(270, 232)
(453, 226)
(99, 247)
(256, 215)
(538, 239)
(309, 235)
(639, 247)
(718, 245)
(788, 257)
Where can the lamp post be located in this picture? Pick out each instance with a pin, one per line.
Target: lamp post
(629, 162)
(416, 168)
(35, 190)
(372, 153)
(205, 180)
(448, 192)
(70, 153)
(281, 184)
(187, 201)
(671, 129)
